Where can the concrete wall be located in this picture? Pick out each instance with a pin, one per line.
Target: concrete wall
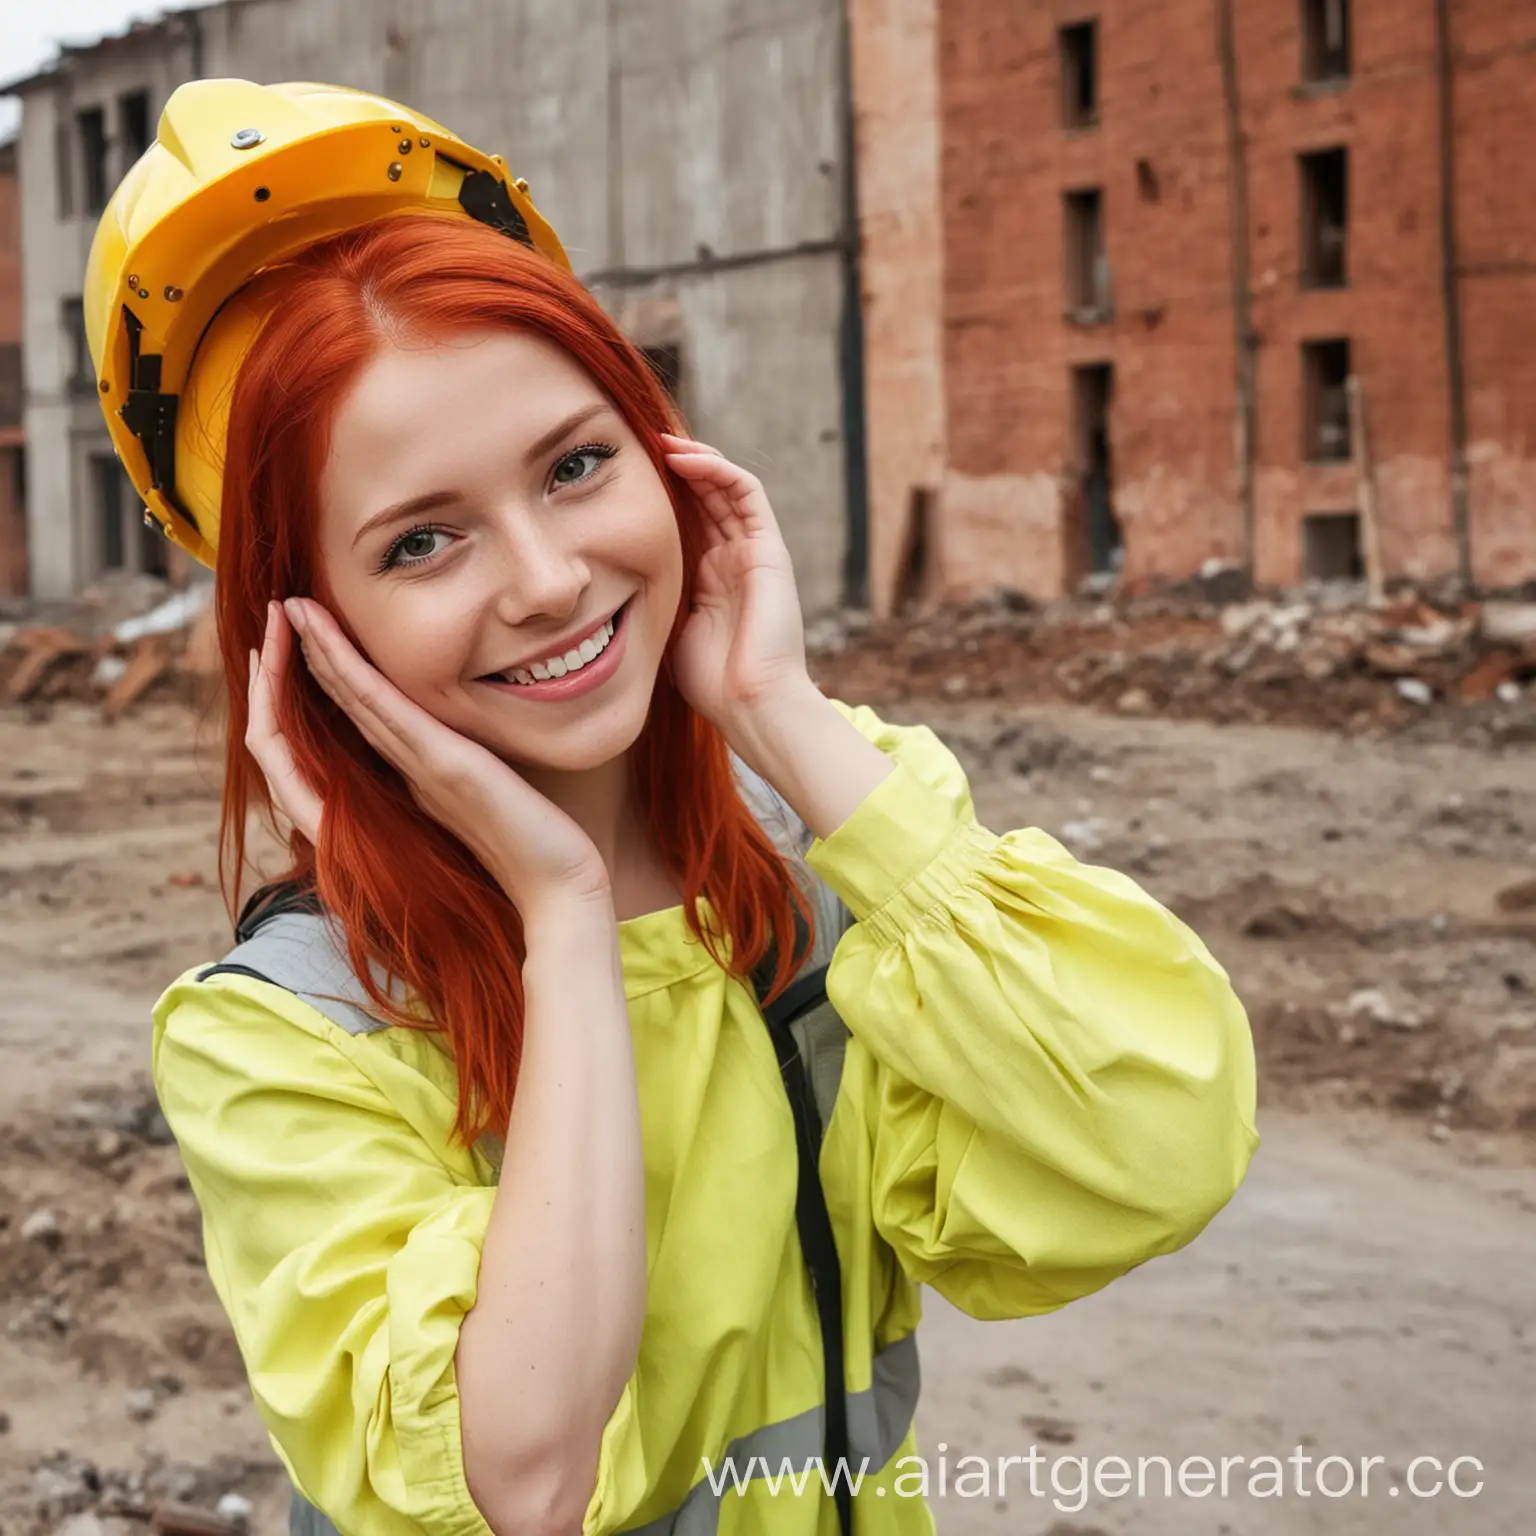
(1161, 156)
(688, 153)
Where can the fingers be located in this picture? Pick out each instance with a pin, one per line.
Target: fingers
(390, 723)
(733, 497)
(265, 741)
(676, 444)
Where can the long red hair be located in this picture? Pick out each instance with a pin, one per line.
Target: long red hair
(410, 897)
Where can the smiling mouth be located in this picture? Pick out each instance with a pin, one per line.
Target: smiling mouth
(565, 664)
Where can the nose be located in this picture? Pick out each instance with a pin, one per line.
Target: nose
(542, 577)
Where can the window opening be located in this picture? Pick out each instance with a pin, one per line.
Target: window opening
(1325, 412)
(1079, 46)
(1324, 218)
(1089, 299)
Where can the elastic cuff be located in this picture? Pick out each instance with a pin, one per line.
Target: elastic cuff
(904, 849)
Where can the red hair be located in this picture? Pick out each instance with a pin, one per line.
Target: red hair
(410, 897)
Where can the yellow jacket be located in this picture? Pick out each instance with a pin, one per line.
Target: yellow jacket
(1048, 1082)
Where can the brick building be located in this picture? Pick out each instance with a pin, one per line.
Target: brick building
(1119, 260)
(13, 512)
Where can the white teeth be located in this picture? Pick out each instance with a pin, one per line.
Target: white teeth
(573, 660)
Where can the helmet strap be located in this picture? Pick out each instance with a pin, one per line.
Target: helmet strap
(150, 414)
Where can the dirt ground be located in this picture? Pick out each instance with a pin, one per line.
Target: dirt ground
(1371, 1291)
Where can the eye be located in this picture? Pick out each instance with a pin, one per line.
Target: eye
(582, 463)
(414, 548)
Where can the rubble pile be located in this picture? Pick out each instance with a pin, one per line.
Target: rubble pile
(96, 654)
(70, 1495)
(1325, 658)
(99, 1237)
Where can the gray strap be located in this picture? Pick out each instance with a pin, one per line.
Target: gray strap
(793, 840)
(304, 953)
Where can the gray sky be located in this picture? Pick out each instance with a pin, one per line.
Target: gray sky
(30, 31)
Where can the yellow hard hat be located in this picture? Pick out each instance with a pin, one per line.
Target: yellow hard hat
(241, 177)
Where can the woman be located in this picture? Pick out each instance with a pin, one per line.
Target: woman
(515, 1222)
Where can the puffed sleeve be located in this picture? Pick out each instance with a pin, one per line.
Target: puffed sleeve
(343, 1244)
(1065, 1081)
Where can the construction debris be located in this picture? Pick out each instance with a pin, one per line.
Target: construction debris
(172, 649)
(1326, 657)
(189, 1520)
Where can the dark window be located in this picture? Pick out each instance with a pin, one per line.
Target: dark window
(91, 125)
(1325, 410)
(1324, 40)
(1080, 75)
(78, 352)
(1324, 218)
(107, 487)
(64, 171)
(10, 384)
(1331, 547)
(134, 126)
(1097, 545)
(1087, 266)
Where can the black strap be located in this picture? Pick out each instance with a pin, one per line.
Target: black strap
(150, 414)
(274, 901)
(817, 1242)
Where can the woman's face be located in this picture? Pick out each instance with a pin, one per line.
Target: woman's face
(485, 515)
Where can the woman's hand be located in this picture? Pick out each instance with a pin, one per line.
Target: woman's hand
(744, 642)
(535, 852)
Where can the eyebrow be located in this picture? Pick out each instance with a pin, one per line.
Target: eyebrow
(562, 429)
(414, 506)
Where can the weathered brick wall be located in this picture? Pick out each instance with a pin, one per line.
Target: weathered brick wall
(1160, 153)
(10, 248)
(1495, 136)
(1392, 310)
(896, 138)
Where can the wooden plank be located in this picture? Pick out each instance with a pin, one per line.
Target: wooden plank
(148, 663)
